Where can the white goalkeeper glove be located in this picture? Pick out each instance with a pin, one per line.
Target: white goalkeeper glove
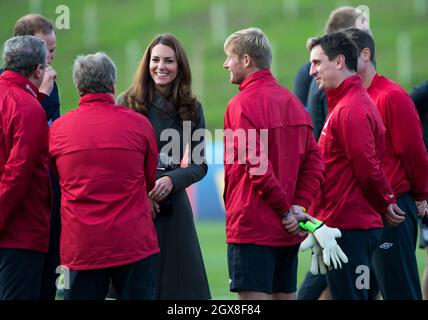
(332, 254)
(317, 263)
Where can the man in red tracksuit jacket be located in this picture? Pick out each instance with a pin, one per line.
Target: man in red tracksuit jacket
(356, 192)
(25, 193)
(106, 158)
(406, 167)
(271, 162)
(40, 27)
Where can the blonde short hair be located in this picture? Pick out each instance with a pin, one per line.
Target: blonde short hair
(251, 41)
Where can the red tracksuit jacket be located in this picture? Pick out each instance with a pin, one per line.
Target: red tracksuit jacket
(355, 191)
(106, 158)
(25, 190)
(406, 160)
(293, 166)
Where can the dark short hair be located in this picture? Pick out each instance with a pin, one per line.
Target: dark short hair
(32, 24)
(337, 43)
(362, 39)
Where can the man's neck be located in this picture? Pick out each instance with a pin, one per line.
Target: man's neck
(367, 75)
(343, 76)
(251, 71)
(35, 81)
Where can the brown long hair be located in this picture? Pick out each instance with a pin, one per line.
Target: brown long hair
(140, 94)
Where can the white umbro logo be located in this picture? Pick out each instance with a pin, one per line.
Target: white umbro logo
(386, 245)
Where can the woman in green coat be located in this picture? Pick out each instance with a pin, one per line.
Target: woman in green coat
(162, 92)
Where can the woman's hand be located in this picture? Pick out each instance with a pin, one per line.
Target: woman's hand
(162, 189)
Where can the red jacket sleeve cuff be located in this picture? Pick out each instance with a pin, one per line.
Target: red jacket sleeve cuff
(390, 198)
(284, 207)
(420, 197)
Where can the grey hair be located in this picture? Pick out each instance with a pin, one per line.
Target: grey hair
(94, 73)
(23, 54)
(251, 41)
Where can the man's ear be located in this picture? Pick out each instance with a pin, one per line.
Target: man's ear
(247, 60)
(39, 72)
(340, 61)
(365, 54)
